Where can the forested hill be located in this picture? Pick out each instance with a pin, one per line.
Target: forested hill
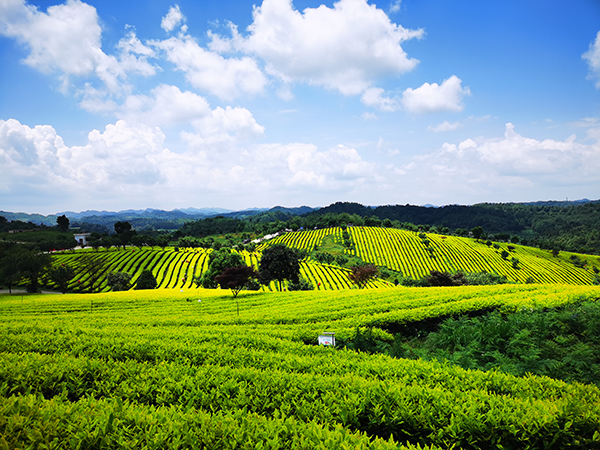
(575, 227)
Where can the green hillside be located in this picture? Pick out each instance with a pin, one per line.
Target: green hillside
(404, 253)
(171, 369)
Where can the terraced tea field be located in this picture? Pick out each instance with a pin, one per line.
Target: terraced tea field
(401, 251)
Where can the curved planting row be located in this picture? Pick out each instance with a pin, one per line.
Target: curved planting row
(172, 269)
(415, 255)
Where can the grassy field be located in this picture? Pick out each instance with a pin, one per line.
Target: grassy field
(193, 368)
(402, 253)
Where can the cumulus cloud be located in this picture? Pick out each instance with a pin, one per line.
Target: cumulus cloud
(128, 161)
(343, 48)
(374, 98)
(226, 78)
(173, 18)
(67, 40)
(593, 59)
(445, 126)
(490, 169)
(167, 105)
(435, 97)
(429, 98)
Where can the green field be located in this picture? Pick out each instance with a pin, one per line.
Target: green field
(403, 252)
(183, 369)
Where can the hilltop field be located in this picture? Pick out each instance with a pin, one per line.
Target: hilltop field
(400, 254)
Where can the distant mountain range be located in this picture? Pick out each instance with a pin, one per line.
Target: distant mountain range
(142, 216)
(158, 218)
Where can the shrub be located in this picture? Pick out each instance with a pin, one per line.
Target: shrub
(146, 280)
(119, 281)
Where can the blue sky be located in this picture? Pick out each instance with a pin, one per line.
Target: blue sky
(116, 105)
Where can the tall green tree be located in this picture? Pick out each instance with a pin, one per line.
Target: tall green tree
(61, 274)
(279, 262)
(9, 268)
(62, 222)
(124, 232)
(31, 264)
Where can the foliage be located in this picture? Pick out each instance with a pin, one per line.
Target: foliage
(218, 261)
(31, 264)
(361, 275)
(437, 278)
(235, 278)
(9, 267)
(146, 280)
(93, 268)
(62, 222)
(124, 232)
(561, 343)
(61, 274)
(148, 369)
(119, 281)
(279, 262)
(484, 278)
(302, 285)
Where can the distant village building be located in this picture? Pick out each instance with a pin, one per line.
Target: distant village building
(82, 238)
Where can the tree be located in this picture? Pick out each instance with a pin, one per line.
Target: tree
(218, 261)
(61, 275)
(280, 263)
(119, 281)
(9, 270)
(477, 232)
(124, 232)
(235, 278)
(94, 266)
(146, 280)
(62, 222)
(361, 275)
(31, 264)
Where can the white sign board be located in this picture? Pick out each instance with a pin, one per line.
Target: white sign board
(327, 339)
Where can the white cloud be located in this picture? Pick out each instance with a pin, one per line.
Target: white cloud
(168, 106)
(511, 166)
(374, 98)
(173, 18)
(593, 59)
(429, 98)
(395, 6)
(128, 164)
(165, 107)
(445, 126)
(343, 48)
(67, 40)
(227, 78)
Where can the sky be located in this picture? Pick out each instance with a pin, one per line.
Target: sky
(113, 105)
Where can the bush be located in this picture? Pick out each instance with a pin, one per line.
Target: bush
(119, 281)
(146, 281)
(485, 278)
(437, 278)
(301, 285)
